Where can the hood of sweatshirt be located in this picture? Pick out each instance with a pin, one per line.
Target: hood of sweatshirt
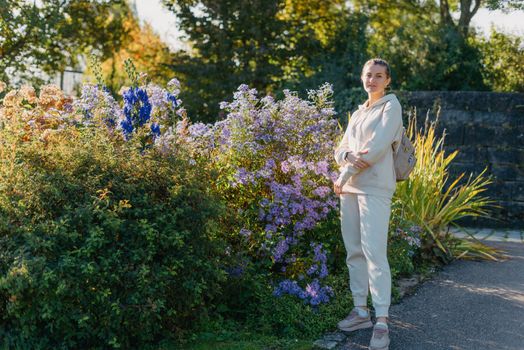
(379, 102)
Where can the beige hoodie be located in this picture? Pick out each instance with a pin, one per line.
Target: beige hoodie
(378, 129)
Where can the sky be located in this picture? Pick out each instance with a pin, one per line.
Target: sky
(165, 24)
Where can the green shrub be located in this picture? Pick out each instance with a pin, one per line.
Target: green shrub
(103, 245)
(290, 317)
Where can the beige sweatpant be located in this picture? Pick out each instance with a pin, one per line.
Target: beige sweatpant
(365, 221)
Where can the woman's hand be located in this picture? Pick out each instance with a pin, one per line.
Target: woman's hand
(356, 159)
(357, 162)
(337, 186)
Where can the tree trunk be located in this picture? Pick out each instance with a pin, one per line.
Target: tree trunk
(466, 14)
(445, 15)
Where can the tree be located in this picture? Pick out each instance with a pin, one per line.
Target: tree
(502, 57)
(145, 48)
(259, 42)
(425, 52)
(340, 63)
(234, 42)
(468, 9)
(48, 36)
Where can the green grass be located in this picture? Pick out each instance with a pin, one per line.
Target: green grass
(247, 341)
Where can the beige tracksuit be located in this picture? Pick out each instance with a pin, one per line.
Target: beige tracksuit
(365, 203)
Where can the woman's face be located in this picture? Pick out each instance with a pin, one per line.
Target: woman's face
(375, 79)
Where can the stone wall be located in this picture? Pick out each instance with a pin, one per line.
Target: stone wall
(488, 130)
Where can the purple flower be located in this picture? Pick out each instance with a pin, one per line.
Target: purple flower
(284, 166)
(198, 130)
(322, 168)
(270, 228)
(322, 191)
(244, 177)
(279, 251)
(96, 101)
(280, 153)
(289, 287)
(173, 83)
(245, 232)
(312, 269)
(318, 294)
(313, 294)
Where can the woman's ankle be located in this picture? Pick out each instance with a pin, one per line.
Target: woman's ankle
(382, 320)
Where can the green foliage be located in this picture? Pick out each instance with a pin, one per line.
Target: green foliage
(233, 42)
(340, 64)
(103, 246)
(502, 57)
(289, 317)
(143, 45)
(48, 36)
(425, 52)
(431, 199)
(504, 5)
(404, 243)
(451, 64)
(263, 43)
(235, 339)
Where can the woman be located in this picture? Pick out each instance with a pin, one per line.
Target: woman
(365, 185)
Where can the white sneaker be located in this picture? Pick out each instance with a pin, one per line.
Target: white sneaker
(380, 338)
(354, 321)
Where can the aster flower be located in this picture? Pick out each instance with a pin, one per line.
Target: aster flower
(277, 154)
(97, 103)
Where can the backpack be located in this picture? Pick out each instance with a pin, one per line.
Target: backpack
(404, 159)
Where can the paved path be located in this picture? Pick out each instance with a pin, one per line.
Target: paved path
(469, 305)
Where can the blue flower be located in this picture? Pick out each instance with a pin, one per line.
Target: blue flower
(172, 98)
(137, 111)
(144, 113)
(129, 97)
(141, 94)
(110, 122)
(155, 129)
(127, 127)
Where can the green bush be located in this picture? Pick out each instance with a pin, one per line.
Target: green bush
(290, 317)
(102, 245)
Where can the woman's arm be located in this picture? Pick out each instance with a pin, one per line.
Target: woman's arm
(381, 139)
(342, 149)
